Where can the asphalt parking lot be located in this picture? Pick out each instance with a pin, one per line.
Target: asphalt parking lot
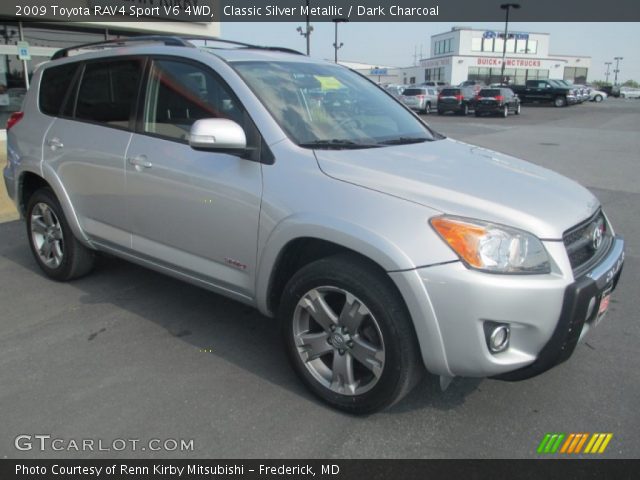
(129, 353)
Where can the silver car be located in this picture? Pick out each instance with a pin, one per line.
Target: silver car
(420, 99)
(302, 189)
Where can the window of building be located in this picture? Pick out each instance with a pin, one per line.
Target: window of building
(476, 44)
(511, 45)
(108, 92)
(575, 74)
(532, 46)
(180, 93)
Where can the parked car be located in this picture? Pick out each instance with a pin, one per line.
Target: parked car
(421, 99)
(545, 91)
(496, 101)
(475, 85)
(384, 248)
(456, 99)
(437, 85)
(626, 92)
(597, 95)
(395, 90)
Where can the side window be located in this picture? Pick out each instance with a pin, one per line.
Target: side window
(108, 91)
(53, 87)
(179, 93)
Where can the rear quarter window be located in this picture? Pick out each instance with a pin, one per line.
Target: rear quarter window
(53, 87)
(412, 92)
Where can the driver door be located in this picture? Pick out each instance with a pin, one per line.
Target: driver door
(195, 212)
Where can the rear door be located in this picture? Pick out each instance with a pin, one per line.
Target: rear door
(86, 145)
(194, 211)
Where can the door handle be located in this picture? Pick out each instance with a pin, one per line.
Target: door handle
(55, 143)
(140, 161)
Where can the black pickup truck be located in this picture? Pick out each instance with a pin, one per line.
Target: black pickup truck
(546, 91)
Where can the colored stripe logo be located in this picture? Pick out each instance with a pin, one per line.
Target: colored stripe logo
(573, 443)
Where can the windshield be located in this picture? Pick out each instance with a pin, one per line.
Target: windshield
(328, 106)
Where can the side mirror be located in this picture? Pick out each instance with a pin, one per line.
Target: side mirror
(217, 134)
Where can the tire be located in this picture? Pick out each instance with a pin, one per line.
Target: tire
(560, 102)
(597, 98)
(440, 112)
(56, 250)
(518, 110)
(505, 112)
(333, 364)
(427, 109)
(465, 110)
(477, 113)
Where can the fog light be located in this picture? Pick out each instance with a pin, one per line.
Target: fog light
(497, 336)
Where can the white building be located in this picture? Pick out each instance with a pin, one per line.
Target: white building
(467, 54)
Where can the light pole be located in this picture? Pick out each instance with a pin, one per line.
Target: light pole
(606, 74)
(617, 70)
(306, 33)
(336, 45)
(507, 7)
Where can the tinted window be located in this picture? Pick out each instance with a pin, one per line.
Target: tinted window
(53, 87)
(489, 92)
(108, 91)
(412, 92)
(180, 93)
(450, 92)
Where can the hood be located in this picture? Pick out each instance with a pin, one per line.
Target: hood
(461, 179)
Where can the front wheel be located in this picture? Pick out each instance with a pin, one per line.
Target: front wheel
(505, 111)
(598, 98)
(518, 110)
(58, 253)
(348, 334)
(560, 101)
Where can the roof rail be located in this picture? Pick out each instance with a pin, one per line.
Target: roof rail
(167, 40)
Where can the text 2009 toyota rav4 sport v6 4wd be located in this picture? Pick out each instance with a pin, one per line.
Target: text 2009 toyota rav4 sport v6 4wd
(303, 189)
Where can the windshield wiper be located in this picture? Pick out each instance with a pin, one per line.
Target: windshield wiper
(337, 144)
(404, 140)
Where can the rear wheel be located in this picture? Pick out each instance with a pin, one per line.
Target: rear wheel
(518, 110)
(348, 334)
(597, 98)
(427, 109)
(465, 110)
(440, 112)
(55, 248)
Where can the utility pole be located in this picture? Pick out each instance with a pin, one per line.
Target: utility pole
(337, 46)
(507, 7)
(617, 70)
(606, 74)
(306, 33)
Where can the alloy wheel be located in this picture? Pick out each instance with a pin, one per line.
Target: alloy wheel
(338, 340)
(46, 233)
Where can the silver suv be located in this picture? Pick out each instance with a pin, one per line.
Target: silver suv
(301, 188)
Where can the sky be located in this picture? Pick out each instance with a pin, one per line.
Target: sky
(394, 44)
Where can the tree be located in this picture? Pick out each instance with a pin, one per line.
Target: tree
(631, 83)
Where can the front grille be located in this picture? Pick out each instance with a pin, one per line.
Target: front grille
(580, 242)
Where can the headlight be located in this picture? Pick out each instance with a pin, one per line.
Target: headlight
(492, 248)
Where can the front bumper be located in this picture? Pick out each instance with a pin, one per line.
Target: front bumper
(579, 313)
(547, 314)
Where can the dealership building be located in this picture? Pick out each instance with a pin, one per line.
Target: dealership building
(45, 38)
(464, 53)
